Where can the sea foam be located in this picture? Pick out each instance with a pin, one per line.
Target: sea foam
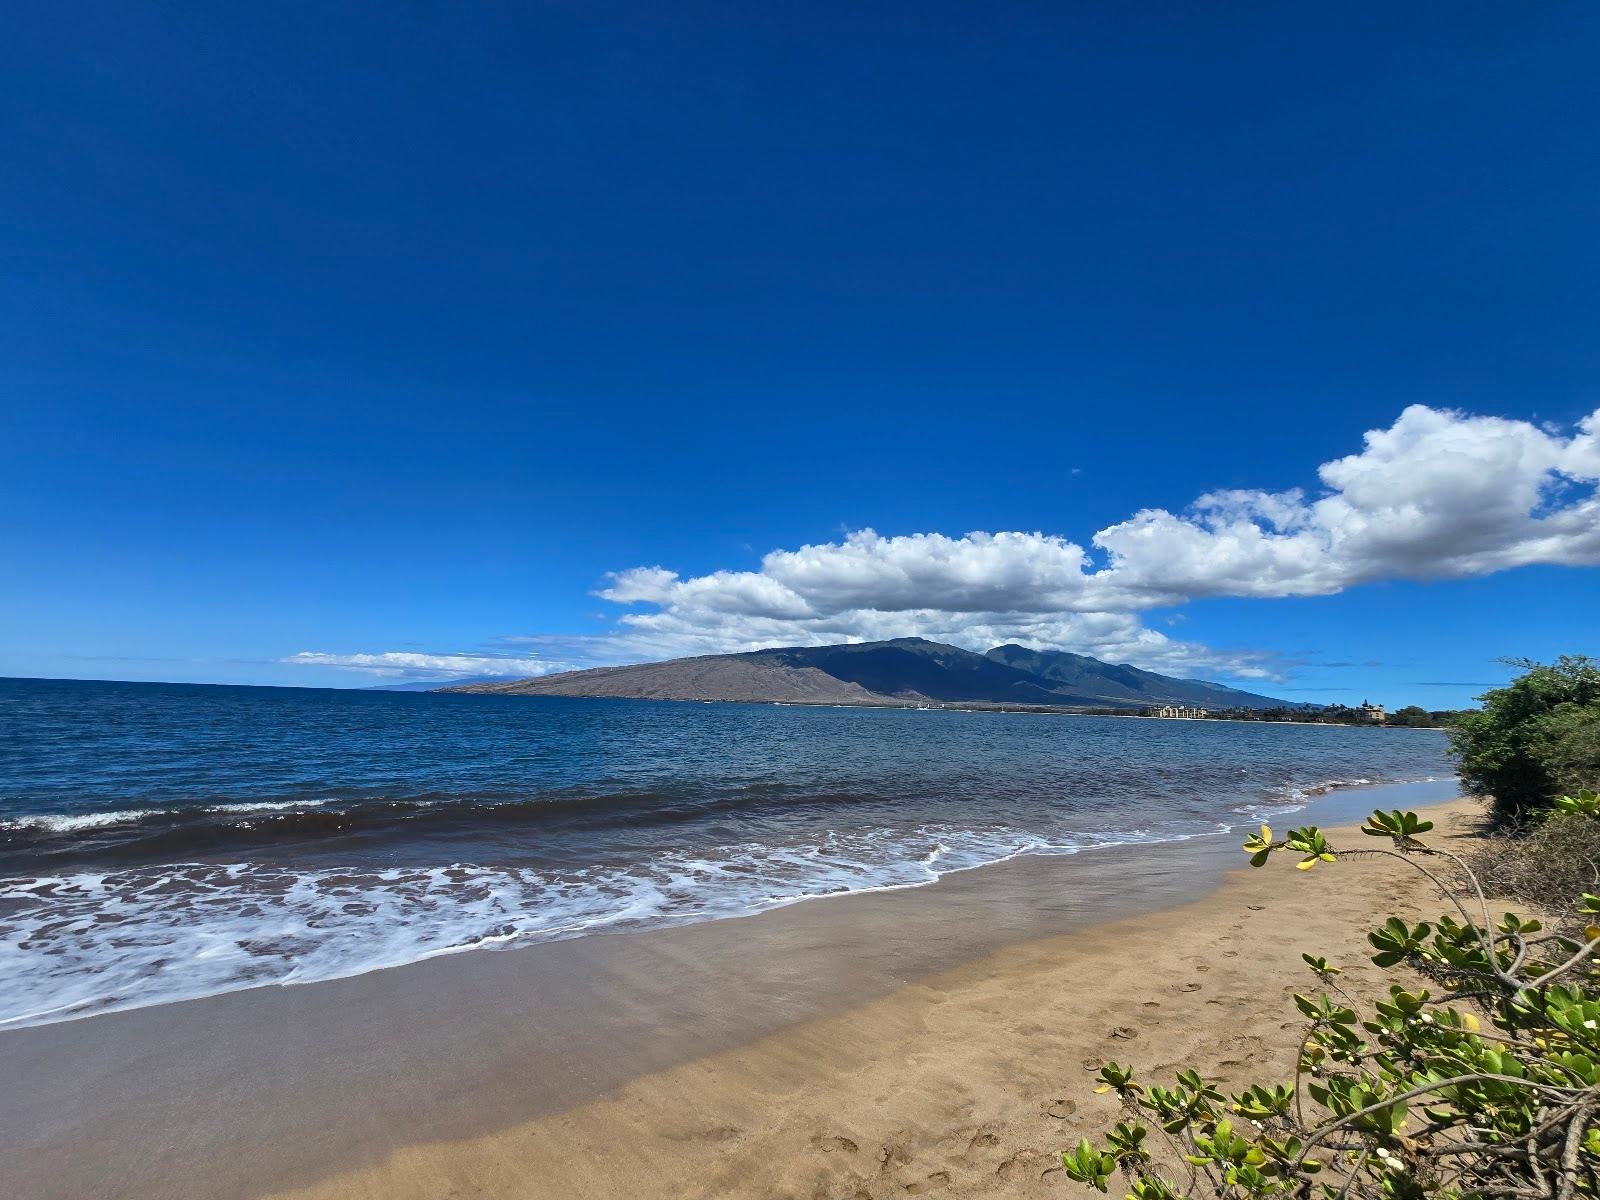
(94, 941)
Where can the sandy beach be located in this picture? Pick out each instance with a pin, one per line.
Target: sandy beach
(938, 1039)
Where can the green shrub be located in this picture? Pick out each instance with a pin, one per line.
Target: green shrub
(1490, 1088)
(1567, 741)
(1533, 738)
(1411, 714)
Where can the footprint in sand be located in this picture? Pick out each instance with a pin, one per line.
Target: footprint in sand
(982, 1140)
(1018, 1164)
(938, 1179)
(828, 1143)
(1126, 1032)
(893, 1154)
(1060, 1109)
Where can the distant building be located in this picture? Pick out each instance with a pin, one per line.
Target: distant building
(1372, 712)
(1178, 710)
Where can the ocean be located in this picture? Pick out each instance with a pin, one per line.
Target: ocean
(166, 841)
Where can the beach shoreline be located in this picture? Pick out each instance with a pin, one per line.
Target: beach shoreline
(420, 1073)
(1023, 710)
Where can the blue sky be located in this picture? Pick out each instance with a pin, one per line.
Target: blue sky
(333, 338)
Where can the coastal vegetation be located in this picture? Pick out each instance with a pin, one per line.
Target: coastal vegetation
(1546, 864)
(1534, 739)
(1412, 716)
(1476, 1075)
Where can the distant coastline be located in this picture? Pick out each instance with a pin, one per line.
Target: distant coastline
(975, 706)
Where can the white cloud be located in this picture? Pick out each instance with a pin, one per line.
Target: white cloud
(395, 664)
(978, 573)
(1116, 637)
(1438, 494)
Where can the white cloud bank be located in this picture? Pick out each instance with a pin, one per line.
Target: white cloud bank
(399, 664)
(1438, 494)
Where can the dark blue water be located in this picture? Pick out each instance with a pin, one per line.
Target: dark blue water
(164, 841)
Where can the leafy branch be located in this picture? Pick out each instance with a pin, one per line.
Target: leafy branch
(1488, 1088)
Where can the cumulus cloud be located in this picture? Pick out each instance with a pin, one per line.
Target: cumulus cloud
(1117, 637)
(396, 664)
(976, 573)
(1437, 494)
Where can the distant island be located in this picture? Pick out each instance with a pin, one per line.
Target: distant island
(915, 672)
(901, 672)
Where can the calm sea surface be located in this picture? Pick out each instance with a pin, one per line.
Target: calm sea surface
(167, 841)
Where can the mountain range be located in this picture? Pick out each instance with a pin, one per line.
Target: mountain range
(903, 671)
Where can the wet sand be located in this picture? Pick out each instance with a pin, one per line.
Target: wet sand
(872, 1045)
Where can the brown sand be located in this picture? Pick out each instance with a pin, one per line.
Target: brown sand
(967, 1083)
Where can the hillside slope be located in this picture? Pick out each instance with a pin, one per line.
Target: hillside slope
(740, 677)
(1123, 684)
(917, 669)
(901, 671)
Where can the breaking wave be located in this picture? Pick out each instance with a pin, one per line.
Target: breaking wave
(79, 942)
(161, 842)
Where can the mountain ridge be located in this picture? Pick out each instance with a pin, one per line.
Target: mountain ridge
(1124, 681)
(899, 671)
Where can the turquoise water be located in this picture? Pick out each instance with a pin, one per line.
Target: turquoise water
(165, 841)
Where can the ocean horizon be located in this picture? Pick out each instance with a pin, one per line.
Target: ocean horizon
(160, 842)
